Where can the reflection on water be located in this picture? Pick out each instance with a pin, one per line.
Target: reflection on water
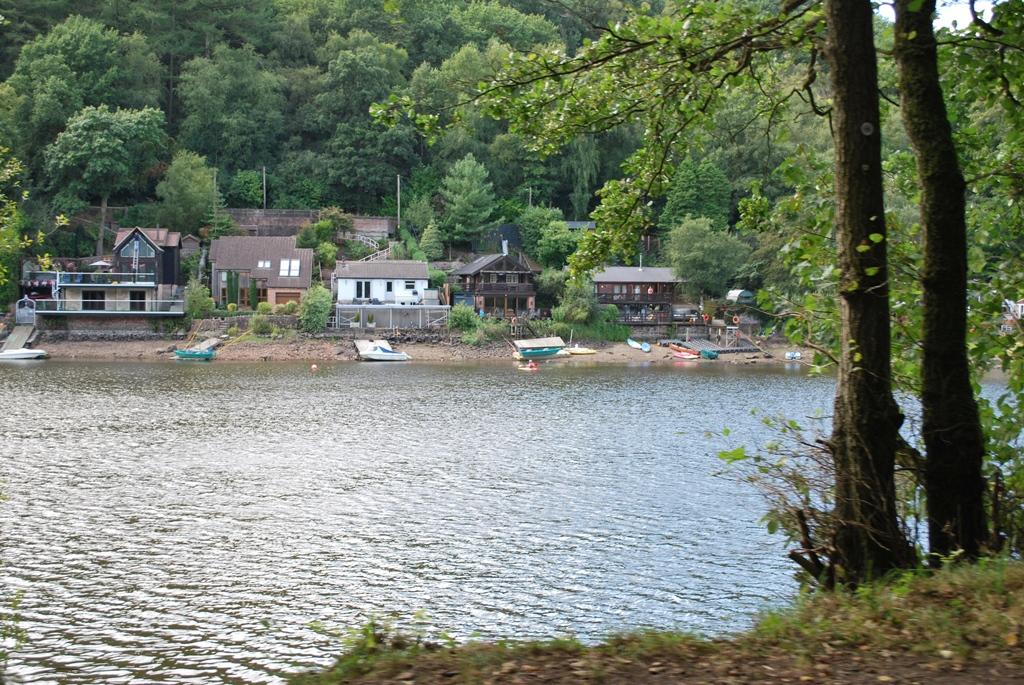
(185, 523)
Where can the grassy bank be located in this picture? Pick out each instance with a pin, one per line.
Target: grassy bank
(961, 625)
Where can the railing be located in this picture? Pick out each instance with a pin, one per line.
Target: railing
(412, 316)
(168, 307)
(366, 240)
(38, 277)
(379, 255)
(649, 318)
(655, 298)
(96, 278)
(502, 289)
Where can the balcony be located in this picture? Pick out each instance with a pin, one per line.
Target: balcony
(133, 279)
(635, 298)
(649, 319)
(502, 289)
(38, 277)
(120, 307)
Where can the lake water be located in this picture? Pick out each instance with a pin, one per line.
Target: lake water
(187, 522)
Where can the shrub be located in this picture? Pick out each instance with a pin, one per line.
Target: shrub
(233, 330)
(315, 309)
(473, 337)
(430, 242)
(260, 325)
(327, 253)
(369, 319)
(399, 251)
(355, 250)
(264, 308)
(232, 307)
(411, 246)
(609, 314)
(291, 306)
(437, 278)
(463, 318)
(579, 304)
(198, 303)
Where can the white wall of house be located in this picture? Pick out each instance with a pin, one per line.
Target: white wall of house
(386, 290)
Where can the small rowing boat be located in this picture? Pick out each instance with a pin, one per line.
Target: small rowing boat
(576, 349)
(642, 346)
(195, 355)
(680, 352)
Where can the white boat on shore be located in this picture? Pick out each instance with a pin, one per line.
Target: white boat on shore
(379, 351)
(22, 353)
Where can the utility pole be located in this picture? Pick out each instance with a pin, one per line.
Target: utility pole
(264, 187)
(398, 182)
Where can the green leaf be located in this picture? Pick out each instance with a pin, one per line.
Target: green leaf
(876, 237)
(732, 456)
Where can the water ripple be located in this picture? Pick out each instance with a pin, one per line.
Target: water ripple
(186, 523)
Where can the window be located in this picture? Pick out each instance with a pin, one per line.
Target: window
(137, 300)
(289, 267)
(390, 287)
(263, 264)
(410, 285)
(94, 300)
(362, 290)
(512, 278)
(223, 276)
(145, 249)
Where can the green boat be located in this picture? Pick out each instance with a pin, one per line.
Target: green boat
(538, 348)
(538, 352)
(195, 355)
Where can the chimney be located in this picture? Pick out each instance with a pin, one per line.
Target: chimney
(504, 247)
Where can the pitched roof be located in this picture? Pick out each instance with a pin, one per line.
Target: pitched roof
(160, 237)
(635, 274)
(397, 268)
(244, 253)
(483, 262)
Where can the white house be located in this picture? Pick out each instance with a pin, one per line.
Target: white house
(387, 281)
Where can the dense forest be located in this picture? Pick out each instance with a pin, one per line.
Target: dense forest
(198, 99)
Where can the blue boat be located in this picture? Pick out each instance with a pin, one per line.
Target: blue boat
(642, 346)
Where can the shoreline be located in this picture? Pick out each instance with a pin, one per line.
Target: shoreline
(310, 349)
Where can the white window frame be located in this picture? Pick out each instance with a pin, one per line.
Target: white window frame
(289, 268)
(410, 285)
(263, 264)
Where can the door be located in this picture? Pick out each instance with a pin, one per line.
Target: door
(26, 311)
(137, 300)
(282, 298)
(94, 300)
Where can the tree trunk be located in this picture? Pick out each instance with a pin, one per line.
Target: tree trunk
(103, 226)
(954, 443)
(866, 423)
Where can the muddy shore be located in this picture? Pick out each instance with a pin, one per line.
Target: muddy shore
(312, 349)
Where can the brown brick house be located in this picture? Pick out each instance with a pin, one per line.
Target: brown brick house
(282, 272)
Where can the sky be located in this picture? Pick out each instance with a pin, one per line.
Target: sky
(949, 11)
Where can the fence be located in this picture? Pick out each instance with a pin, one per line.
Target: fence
(385, 316)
